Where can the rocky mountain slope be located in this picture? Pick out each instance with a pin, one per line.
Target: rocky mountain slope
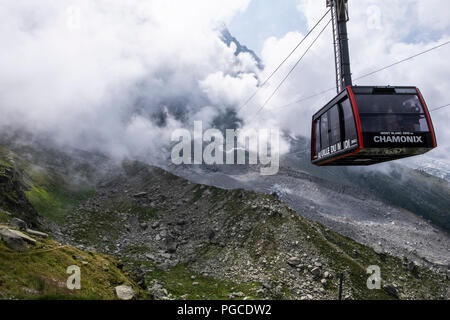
(402, 211)
(183, 240)
(436, 168)
(228, 39)
(12, 187)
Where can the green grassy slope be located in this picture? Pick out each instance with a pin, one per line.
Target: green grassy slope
(40, 273)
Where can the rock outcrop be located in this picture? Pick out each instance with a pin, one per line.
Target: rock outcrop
(15, 240)
(124, 292)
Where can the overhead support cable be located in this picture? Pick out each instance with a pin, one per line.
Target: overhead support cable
(283, 62)
(292, 70)
(403, 60)
(440, 108)
(367, 75)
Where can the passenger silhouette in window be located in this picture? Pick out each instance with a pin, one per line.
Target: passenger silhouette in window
(411, 122)
(392, 121)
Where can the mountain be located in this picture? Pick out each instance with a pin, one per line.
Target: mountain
(228, 39)
(182, 240)
(433, 167)
(397, 208)
(218, 232)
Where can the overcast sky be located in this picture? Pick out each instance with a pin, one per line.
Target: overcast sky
(96, 74)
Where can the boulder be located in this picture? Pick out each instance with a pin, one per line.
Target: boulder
(316, 272)
(157, 291)
(380, 251)
(150, 256)
(155, 225)
(12, 240)
(37, 233)
(391, 290)
(18, 224)
(171, 245)
(143, 226)
(294, 261)
(124, 292)
(166, 255)
(140, 195)
(413, 267)
(24, 237)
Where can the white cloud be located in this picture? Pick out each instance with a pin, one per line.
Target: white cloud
(88, 73)
(227, 91)
(94, 73)
(434, 14)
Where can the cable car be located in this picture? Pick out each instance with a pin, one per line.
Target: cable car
(368, 125)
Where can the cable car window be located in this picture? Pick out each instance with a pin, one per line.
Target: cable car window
(388, 103)
(335, 125)
(317, 138)
(349, 120)
(394, 123)
(394, 113)
(324, 131)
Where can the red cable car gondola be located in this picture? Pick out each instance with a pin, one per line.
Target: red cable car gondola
(367, 125)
